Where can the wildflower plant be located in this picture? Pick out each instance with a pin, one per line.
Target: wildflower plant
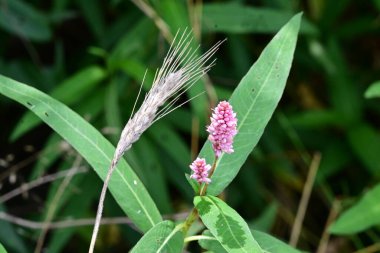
(235, 127)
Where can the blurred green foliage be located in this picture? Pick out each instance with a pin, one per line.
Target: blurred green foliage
(92, 55)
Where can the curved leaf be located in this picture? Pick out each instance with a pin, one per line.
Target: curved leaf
(254, 102)
(226, 225)
(125, 186)
(22, 19)
(70, 91)
(364, 214)
(271, 244)
(164, 237)
(2, 249)
(267, 242)
(373, 90)
(238, 18)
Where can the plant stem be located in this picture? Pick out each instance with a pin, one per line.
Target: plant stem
(190, 220)
(202, 190)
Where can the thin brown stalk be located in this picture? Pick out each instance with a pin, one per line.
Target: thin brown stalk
(39, 181)
(370, 249)
(77, 222)
(334, 211)
(152, 14)
(304, 199)
(54, 204)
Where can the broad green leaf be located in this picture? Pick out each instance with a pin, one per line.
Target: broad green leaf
(272, 245)
(254, 102)
(268, 243)
(125, 186)
(23, 20)
(163, 237)
(373, 90)
(238, 18)
(226, 225)
(69, 92)
(362, 215)
(2, 249)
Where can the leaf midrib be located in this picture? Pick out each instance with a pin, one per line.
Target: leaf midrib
(96, 147)
(233, 235)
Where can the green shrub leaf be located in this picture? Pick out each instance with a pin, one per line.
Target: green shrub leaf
(125, 186)
(226, 225)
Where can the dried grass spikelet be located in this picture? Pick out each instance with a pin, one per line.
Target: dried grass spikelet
(180, 70)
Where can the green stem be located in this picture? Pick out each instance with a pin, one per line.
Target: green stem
(190, 220)
(202, 190)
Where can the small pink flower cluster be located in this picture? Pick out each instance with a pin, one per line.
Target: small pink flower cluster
(222, 131)
(200, 170)
(222, 128)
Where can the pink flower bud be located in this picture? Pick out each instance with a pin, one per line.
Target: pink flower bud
(222, 128)
(200, 170)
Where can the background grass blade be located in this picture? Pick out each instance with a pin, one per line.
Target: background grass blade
(226, 225)
(164, 237)
(364, 214)
(238, 18)
(69, 92)
(125, 186)
(254, 102)
(2, 249)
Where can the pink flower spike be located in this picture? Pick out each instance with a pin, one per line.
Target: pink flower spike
(222, 128)
(200, 171)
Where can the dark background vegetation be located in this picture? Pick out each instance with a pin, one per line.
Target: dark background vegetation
(323, 110)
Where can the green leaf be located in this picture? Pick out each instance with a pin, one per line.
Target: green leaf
(266, 219)
(163, 237)
(272, 245)
(69, 92)
(365, 141)
(254, 102)
(10, 237)
(211, 243)
(268, 243)
(2, 249)
(75, 208)
(125, 186)
(238, 18)
(226, 225)
(25, 21)
(373, 90)
(364, 214)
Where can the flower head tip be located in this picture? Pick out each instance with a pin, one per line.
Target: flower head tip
(222, 128)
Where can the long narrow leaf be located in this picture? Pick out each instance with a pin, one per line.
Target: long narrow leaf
(125, 186)
(254, 102)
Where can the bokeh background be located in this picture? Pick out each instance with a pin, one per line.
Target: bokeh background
(92, 55)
